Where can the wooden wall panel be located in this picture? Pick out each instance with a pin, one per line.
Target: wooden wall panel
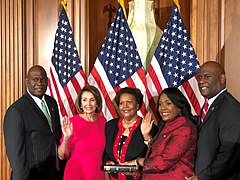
(102, 12)
(232, 46)
(11, 64)
(41, 18)
(206, 29)
(45, 15)
(27, 30)
(196, 35)
(28, 34)
(212, 32)
(45, 25)
(215, 35)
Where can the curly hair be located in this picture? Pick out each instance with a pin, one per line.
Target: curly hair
(133, 91)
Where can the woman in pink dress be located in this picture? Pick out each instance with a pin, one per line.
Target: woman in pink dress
(83, 139)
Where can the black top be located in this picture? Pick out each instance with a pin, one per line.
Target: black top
(136, 148)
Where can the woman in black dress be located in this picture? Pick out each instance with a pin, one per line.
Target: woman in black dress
(127, 136)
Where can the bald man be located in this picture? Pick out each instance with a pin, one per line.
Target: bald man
(30, 137)
(218, 146)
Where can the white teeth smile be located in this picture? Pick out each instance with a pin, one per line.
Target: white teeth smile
(165, 114)
(204, 88)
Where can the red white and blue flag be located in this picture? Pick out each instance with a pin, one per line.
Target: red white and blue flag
(175, 64)
(118, 65)
(66, 74)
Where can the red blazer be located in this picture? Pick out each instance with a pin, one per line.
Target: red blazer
(171, 153)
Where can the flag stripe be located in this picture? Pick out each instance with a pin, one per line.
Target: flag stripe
(118, 65)
(57, 96)
(69, 98)
(193, 94)
(175, 63)
(97, 80)
(152, 105)
(66, 74)
(130, 83)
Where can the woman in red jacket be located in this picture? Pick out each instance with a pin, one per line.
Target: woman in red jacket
(171, 152)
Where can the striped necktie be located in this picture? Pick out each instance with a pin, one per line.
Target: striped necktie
(204, 111)
(45, 112)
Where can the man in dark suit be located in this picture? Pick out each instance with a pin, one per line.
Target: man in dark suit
(218, 146)
(31, 138)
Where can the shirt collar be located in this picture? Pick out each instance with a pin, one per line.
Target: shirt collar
(211, 100)
(36, 99)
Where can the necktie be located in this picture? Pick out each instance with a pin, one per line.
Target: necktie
(45, 112)
(204, 112)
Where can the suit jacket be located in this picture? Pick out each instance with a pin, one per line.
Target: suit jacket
(171, 152)
(218, 147)
(30, 143)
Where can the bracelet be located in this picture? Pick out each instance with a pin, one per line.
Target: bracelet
(147, 141)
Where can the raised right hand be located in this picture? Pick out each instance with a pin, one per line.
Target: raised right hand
(67, 127)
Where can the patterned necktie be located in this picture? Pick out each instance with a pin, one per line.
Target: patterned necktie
(45, 112)
(204, 112)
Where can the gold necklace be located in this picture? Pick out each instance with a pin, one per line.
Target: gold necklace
(130, 122)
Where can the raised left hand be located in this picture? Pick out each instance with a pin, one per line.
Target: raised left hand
(146, 126)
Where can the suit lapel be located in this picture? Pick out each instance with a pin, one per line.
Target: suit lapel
(212, 108)
(38, 110)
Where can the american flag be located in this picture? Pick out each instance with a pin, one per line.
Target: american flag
(118, 65)
(66, 74)
(175, 64)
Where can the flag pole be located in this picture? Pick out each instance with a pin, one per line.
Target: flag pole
(121, 2)
(177, 4)
(64, 4)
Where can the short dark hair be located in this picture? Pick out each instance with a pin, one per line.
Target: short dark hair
(133, 91)
(179, 100)
(96, 95)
